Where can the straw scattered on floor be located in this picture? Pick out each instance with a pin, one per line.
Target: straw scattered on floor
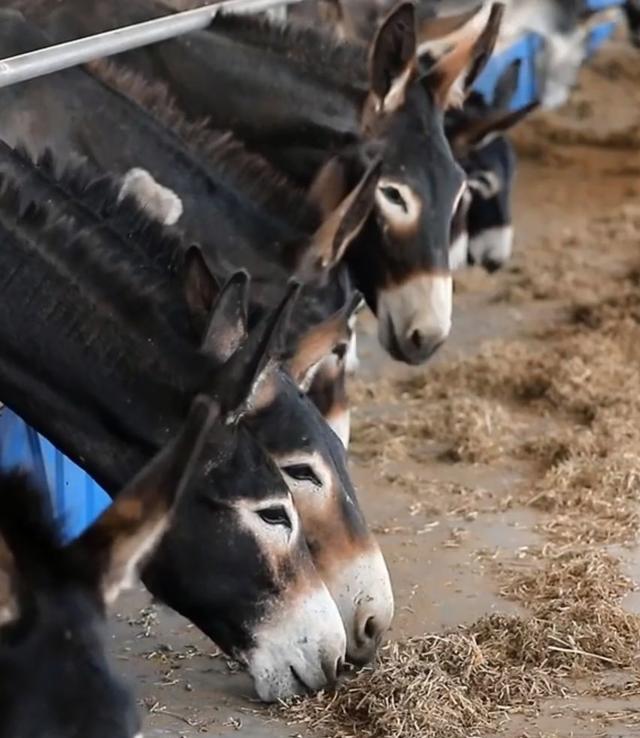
(465, 682)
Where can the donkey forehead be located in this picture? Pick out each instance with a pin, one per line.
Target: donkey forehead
(247, 473)
(291, 422)
(422, 160)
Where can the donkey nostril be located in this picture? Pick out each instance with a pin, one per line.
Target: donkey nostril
(416, 338)
(492, 265)
(332, 669)
(370, 628)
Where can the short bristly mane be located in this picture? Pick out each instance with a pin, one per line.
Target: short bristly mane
(225, 157)
(99, 194)
(323, 54)
(142, 292)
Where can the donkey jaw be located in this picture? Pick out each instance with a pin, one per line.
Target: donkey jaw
(299, 650)
(414, 318)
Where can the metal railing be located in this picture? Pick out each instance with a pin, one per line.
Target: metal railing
(80, 51)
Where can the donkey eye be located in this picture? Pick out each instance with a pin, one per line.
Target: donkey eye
(394, 196)
(275, 516)
(302, 473)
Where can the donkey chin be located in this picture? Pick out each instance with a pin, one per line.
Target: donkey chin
(414, 318)
(300, 649)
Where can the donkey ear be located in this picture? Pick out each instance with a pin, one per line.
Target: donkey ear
(506, 86)
(246, 382)
(393, 58)
(453, 74)
(331, 240)
(227, 329)
(330, 336)
(329, 186)
(200, 286)
(480, 132)
(127, 531)
(8, 603)
(433, 27)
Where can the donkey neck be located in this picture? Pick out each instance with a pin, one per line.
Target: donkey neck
(84, 332)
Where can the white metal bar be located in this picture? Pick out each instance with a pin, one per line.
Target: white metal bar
(80, 51)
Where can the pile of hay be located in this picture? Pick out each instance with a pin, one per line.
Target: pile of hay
(464, 682)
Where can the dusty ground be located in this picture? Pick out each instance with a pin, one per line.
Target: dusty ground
(450, 509)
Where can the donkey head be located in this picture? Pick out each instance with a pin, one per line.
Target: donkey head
(475, 131)
(407, 280)
(313, 463)
(55, 678)
(253, 587)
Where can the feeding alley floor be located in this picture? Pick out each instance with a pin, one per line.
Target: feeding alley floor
(502, 481)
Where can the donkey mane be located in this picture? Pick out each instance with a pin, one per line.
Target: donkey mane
(224, 155)
(99, 193)
(344, 62)
(140, 291)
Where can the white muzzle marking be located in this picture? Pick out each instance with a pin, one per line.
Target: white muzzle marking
(423, 304)
(307, 638)
(494, 244)
(362, 591)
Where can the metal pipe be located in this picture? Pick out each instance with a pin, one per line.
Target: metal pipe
(80, 51)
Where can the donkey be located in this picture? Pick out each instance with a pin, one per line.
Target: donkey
(305, 101)
(476, 133)
(308, 454)
(55, 677)
(108, 380)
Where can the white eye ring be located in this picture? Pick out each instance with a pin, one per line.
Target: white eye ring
(398, 202)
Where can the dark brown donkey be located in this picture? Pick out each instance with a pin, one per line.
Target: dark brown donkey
(308, 103)
(55, 676)
(309, 455)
